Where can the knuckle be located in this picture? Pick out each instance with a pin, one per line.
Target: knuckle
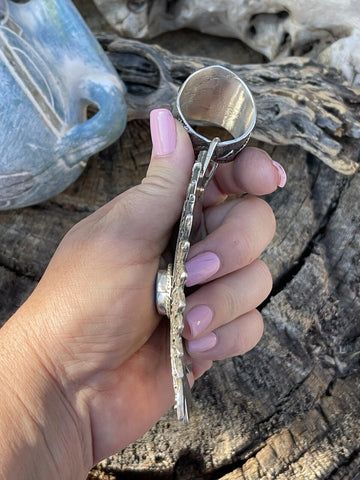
(230, 300)
(240, 243)
(264, 275)
(259, 320)
(237, 346)
(124, 207)
(264, 213)
(161, 180)
(245, 249)
(241, 335)
(251, 230)
(246, 342)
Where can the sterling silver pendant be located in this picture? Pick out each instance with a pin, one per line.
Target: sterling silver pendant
(215, 98)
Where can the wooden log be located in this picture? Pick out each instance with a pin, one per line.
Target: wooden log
(292, 402)
(299, 102)
(290, 408)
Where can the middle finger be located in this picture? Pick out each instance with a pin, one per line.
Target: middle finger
(239, 232)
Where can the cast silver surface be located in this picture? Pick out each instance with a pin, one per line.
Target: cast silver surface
(170, 286)
(212, 96)
(216, 96)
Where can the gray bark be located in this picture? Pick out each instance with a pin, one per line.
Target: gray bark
(299, 102)
(289, 409)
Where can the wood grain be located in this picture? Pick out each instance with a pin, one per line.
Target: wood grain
(299, 102)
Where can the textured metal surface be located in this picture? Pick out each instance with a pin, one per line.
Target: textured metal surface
(212, 96)
(170, 283)
(178, 301)
(216, 97)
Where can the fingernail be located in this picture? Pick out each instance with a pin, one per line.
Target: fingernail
(201, 267)
(163, 131)
(202, 344)
(198, 319)
(282, 174)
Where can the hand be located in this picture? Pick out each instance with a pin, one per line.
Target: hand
(91, 322)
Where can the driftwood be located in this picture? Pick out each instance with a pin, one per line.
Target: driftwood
(290, 409)
(276, 28)
(299, 102)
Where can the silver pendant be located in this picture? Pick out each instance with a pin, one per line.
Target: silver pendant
(215, 98)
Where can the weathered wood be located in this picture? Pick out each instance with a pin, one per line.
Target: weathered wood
(297, 392)
(289, 409)
(14, 290)
(276, 28)
(299, 102)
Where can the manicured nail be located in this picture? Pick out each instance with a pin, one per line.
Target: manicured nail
(202, 344)
(282, 174)
(201, 267)
(163, 131)
(198, 319)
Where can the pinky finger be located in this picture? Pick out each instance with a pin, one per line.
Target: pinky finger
(200, 366)
(230, 340)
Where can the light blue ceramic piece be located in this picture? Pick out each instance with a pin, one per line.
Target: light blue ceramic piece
(51, 70)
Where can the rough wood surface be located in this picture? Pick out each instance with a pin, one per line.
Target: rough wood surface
(290, 409)
(299, 102)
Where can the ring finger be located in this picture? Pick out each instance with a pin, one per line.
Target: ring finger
(225, 299)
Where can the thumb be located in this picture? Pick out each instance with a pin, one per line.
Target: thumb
(158, 200)
(170, 165)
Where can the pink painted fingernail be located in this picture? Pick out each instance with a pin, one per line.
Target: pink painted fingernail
(202, 344)
(281, 172)
(163, 131)
(198, 319)
(201, 267)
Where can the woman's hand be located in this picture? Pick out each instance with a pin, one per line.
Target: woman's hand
(91, 322)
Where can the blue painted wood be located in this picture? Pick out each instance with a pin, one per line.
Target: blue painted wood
(51, 70)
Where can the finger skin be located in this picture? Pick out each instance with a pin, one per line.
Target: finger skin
(239, 233)
(159, 197)
(253, 171)
(230, 296)
(200, 366)
(235, 338)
